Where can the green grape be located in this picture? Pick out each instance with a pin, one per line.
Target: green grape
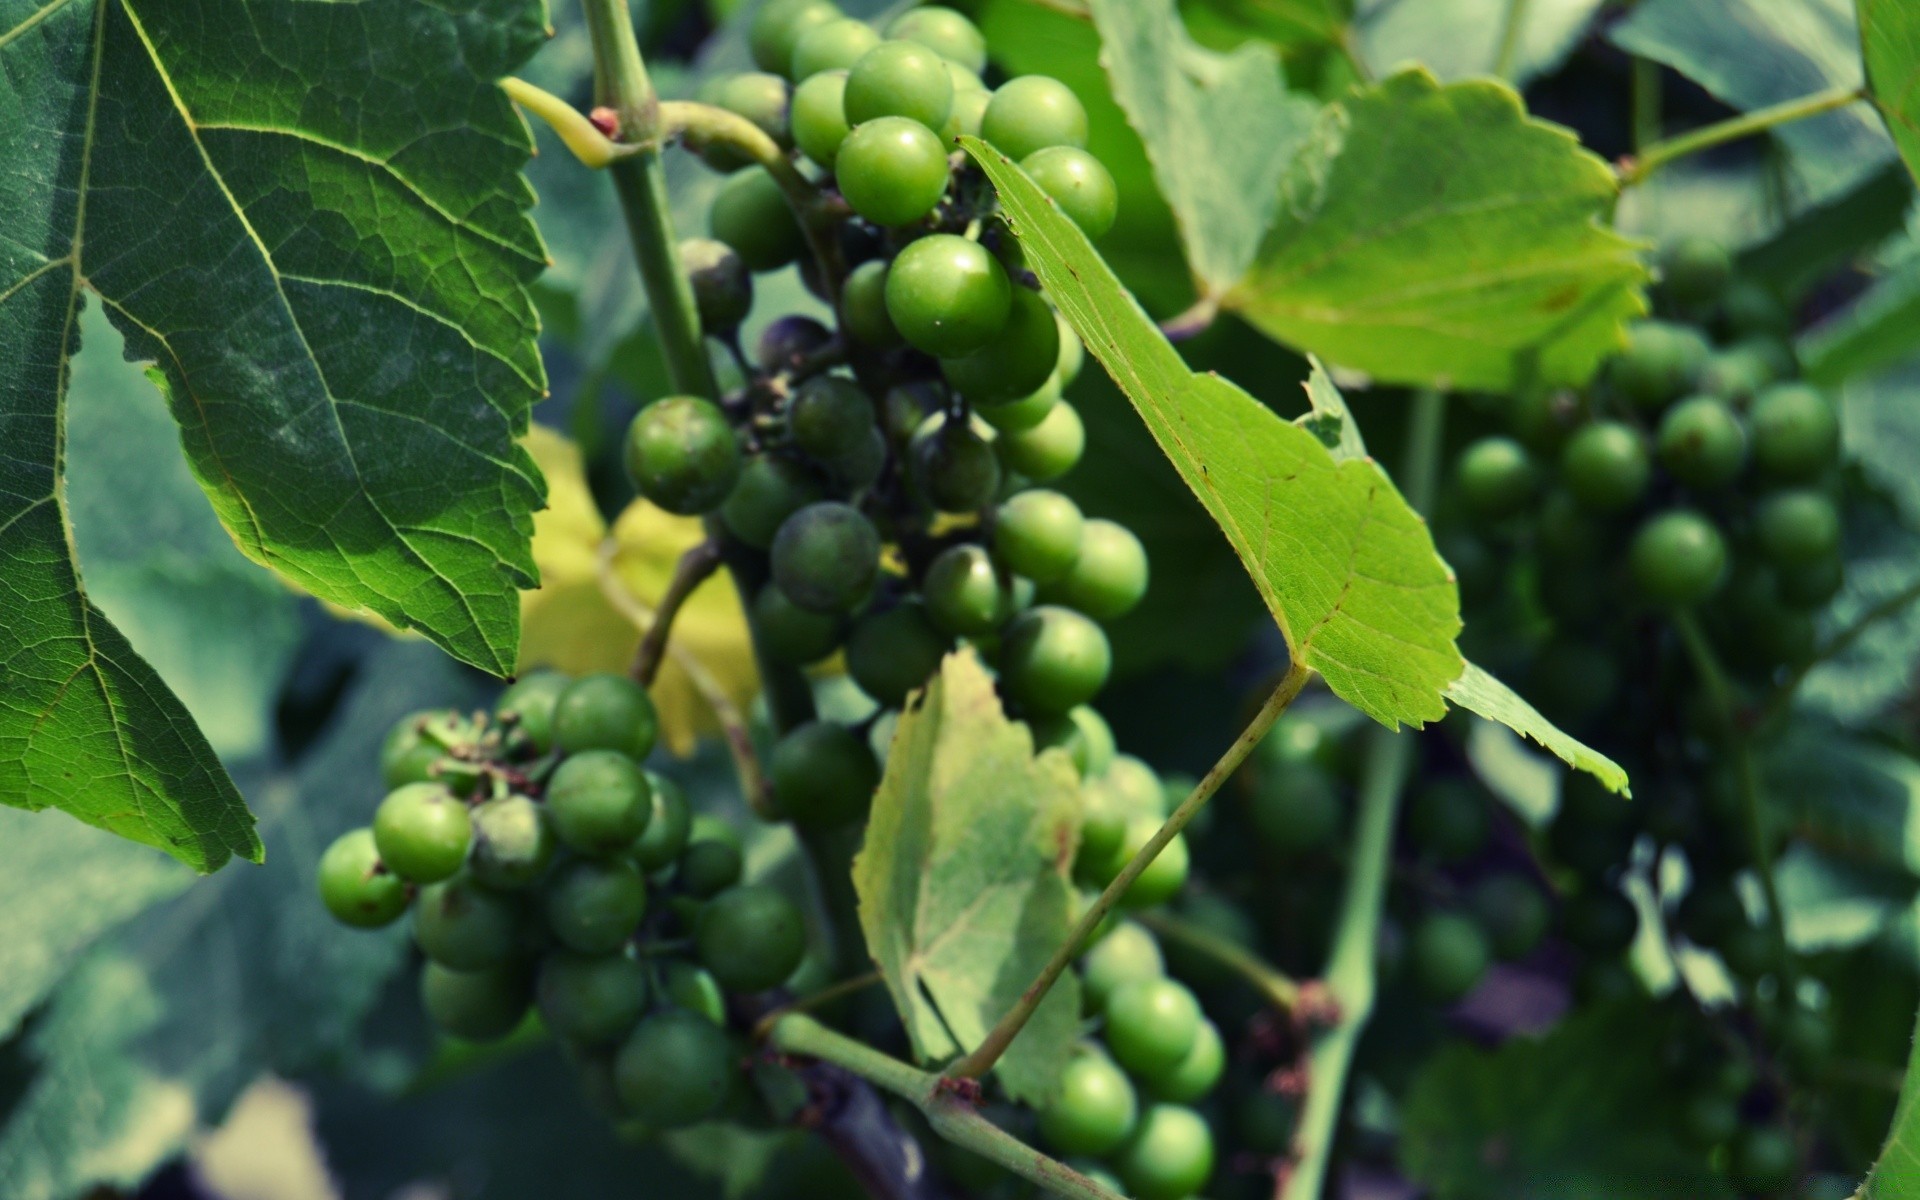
(479, 1006)
(1037, 533)
(604, 711)
(512, 843)
(1296, 810)
(412, 751)
(1096, 736)
(1164, 876)
(863, 306)
(1296, 741)
(1014, 364)
(778, 24)
(1152, 1025)
(1063, 733)
(770, 490)
(722, 285)
(1660, 364)
(1109, 576)
(355, 887)
(750, 938)
(786, 344)
(953, 466)
(708, 867)
(892, 653)
(945, 31)
(1813, 585)
(1605, 466)
(1601, 921)
(682, 454)
(1736, 373)
(1795, 528)
(751, 214)
(790, 634)
(1033, 112)
(826, 557)
(1749, 308)
(1796, 432)
(761, 98)
(1170, 1155)
(1078, 184)
(668, 828)
(423, 832)
(599, 802)
(1137, 784)
(1199, 1072)
(674, 1069)
(1694, 270)
(1048, 450)
(822, 774)
(591, 999)
(1764, 1159)
(461, 925)
(899, 78)
(892, 170)
(1496, 477)
(948, 296)
(829, 416)
(863, 467)
(1702, 443)
(694, 989)
(969, 111)
(1023, 414)
(1774, 351)
(1053, 658)
(831, 46)
(1678, 558)
(1450, 819)
(964, 594)
(1128, 953)
(1450, 954)
(819, 116)
(1073, 355)
(595, 906)
(1092, 1109)
(528, 704)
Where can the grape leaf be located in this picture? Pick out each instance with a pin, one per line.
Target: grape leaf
(1461, 39)
(1896, 1173)
(1346, 567)
(1753, 53)
(1878, 330)
(963, 878)
(1219, 130)
(1855, 799)
(1435, 234)
(1828, 904)
(1880, 430)
(1877, 668)
(1890, 46)
(1288, 24)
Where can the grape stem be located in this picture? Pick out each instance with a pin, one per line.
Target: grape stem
(1636, 168)
(976, 1063)
(1276, 986)
(695, 567)
(945, 1106)
(1194, 321)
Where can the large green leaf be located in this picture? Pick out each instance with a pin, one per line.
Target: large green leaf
(1896, 1173)
(1855, 799)
(1890, 45)
(1436, 235)
(1875, 670)
(1219, 130)
(1880, 430)
(963, 879)
(1461, 39)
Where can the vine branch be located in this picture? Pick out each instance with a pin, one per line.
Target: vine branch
(695, 567)
(1635, 169)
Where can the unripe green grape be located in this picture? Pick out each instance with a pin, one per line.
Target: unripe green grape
(591, 999)
(892, 170)
(1450, 954)
(1164, 876)
(1796, 432)
(862, 467)
(953, 467)
(1450, 819)
(674, 1069)
(355, 886)
(1496, 477)
(1513, 913)
(694, 989)
(964, 594)
(893, 653)
(1037, 533)
(750, 213)
(1661, 363)
(708, 867)
(478, 1006)
(411, 750)
(751, 938)
(722, 285)
(423, 832)
(1079, 184)
(1023, 414)
(823, 774)
(1109, 575)
(826, 557)
(1750, 308)
(1605, 466)
(778, 25)
(1137, 784)
(1128, 953)
(599, 802)
(863, 306)
(1702, 443)
(1169, 1156)
(770, 490)
(512, 843)
(1073, 354)
(819, 117)
(1017, 362)
(947, 32)
(948, 296)
(1736, 374)
(682, 454)
(1084, 734)
(1033, 112)
(1198, 1073)
(594, 906)
(1053, 658)
(1092, 1108)
(1151, 1025)
(1694, 270)
(899, 79)
(527, 706)
(1048, 450)
(1795, 528)
(668, 826)
(762, 98)
(1678, 558)
(604, 711)
(829, 416)
(969, 110)
(1776, 352)
(461, 925)
(831, 46)
(1764, 1160)
(1813, 585)
(790, 634)
(1295, 809)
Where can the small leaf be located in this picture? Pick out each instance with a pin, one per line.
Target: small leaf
(1437, 235)
(1890, 44)
(963, 883)
(1476, 691)
(1219, 129)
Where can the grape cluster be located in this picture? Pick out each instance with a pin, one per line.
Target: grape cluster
(547, 870)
